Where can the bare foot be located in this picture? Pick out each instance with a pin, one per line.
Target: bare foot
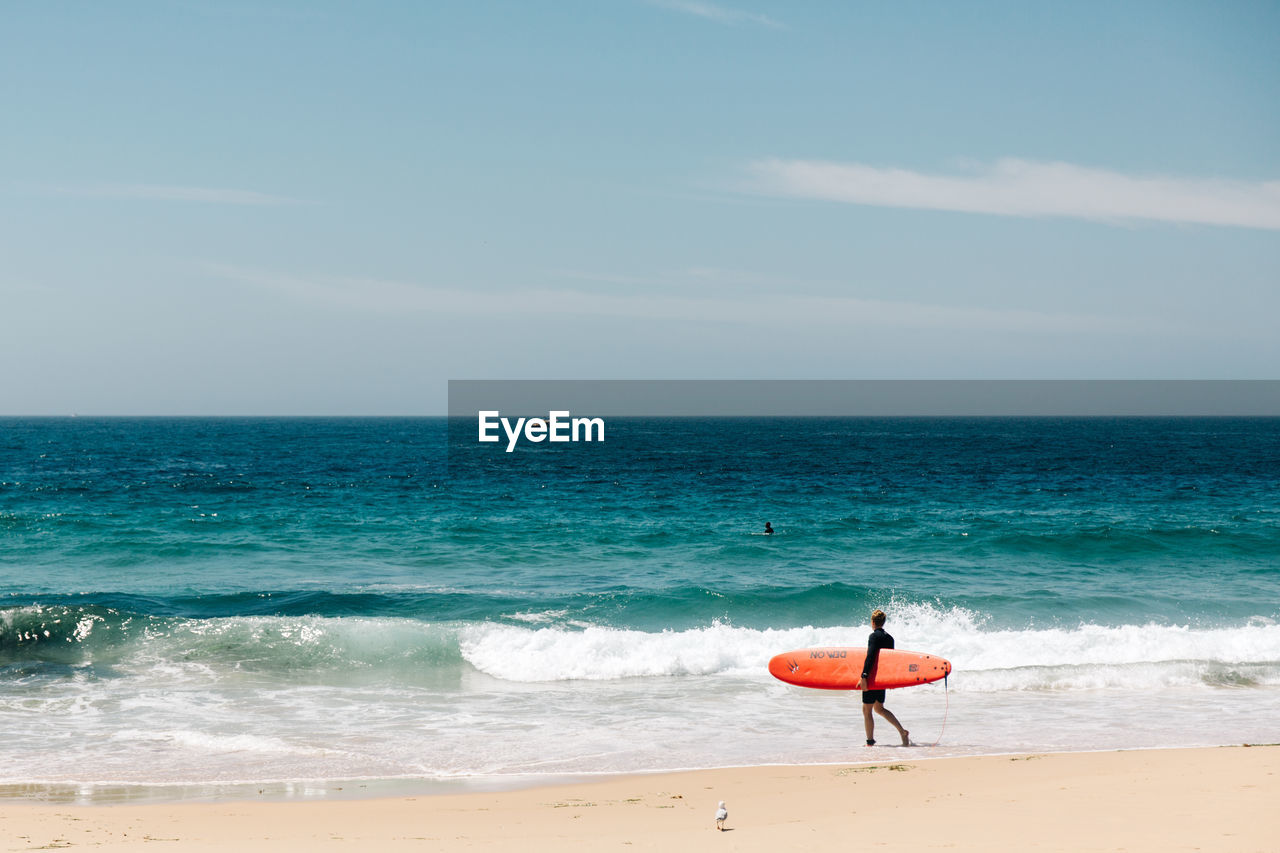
(906, 738)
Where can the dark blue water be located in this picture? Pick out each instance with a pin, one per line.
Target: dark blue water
(1111, 520)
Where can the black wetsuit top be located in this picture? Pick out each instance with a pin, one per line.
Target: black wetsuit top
(879, 639)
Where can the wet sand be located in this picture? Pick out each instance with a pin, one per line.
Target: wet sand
(1212, 799)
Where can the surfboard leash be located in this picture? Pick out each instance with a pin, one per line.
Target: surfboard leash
(946, 688)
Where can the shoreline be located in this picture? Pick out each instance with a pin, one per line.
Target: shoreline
(1211, 798)
(111, 794)
(95, 794)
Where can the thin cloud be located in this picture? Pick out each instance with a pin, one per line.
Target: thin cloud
(719, 14)
(752, 309)
(158, 192)
(1029, 189)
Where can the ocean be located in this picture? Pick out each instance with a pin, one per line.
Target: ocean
(196, 607)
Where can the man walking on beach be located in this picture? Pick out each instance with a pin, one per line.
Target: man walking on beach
(873, 700)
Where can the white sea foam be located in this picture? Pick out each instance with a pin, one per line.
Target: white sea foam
(204, 743)
(272, 698)
(556, 654)
(538, 618)
(1083, 657)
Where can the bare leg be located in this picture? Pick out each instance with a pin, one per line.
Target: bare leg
(888, 715)
(870, 724)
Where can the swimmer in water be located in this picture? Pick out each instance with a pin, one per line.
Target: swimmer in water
(768, 528)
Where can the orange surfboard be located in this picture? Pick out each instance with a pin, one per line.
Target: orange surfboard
(840, 667)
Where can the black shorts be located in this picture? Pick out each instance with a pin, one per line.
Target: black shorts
(870, 697)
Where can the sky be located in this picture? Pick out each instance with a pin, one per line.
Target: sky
(336, 207)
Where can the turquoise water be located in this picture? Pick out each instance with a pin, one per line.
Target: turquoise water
(227, 601)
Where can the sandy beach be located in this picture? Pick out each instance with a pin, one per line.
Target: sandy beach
(1212, 799)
